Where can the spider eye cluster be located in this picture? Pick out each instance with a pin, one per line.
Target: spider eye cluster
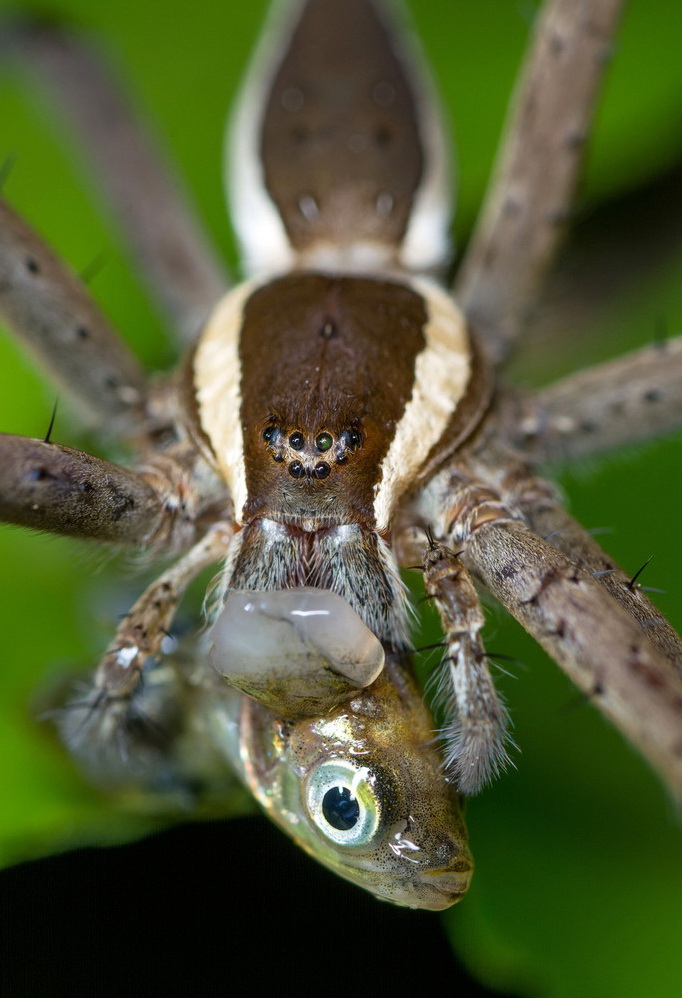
(302, 451)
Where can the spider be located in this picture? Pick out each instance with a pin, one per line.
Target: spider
(595, 686)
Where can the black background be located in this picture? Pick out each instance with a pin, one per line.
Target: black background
(219, 908)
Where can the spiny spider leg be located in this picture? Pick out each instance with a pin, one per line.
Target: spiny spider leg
(140, 635)
(476, 734)
(529, 200)
(548, 519)
(161, 506)
(47, 486)
(597, 643)
(104, 714)
(492, 459)
(147, 201)
(600, 644)
(625, 401)
(53, 313)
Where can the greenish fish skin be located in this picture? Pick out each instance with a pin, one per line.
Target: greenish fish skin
(408, 843)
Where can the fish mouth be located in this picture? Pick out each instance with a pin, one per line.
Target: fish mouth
(444, 888)
(433, 891)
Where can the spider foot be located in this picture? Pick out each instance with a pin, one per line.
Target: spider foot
(156, 746)
(123, 737)
(477, 737)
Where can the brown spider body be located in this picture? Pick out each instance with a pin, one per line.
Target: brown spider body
(336, 417)
(334, 429)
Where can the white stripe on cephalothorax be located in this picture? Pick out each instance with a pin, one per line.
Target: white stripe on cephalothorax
(265, 245)
(217, 383)
(442, 375)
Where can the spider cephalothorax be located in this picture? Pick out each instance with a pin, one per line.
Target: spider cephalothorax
(365, 382)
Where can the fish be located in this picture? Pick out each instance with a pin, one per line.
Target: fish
(361, 786)
(362, 791)
(349, 766)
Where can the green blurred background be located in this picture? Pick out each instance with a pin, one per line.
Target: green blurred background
(578, 883)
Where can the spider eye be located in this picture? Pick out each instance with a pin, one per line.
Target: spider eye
(268, 433)
(343, 802)
(323, 441)
(353, 438)
(296, 440)
(322, 470)
(296, 469)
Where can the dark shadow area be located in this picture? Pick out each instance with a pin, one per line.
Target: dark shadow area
(214, 909)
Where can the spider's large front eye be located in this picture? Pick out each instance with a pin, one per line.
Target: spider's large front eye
(343, 802)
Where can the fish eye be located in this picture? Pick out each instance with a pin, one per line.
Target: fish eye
(340, 809)
(343, 802)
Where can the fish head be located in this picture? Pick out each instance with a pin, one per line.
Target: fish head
(362, 790)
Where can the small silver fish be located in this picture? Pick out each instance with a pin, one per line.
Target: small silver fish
(361, 787)
(363, 791)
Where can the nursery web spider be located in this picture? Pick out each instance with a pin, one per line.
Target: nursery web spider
(459, 493)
